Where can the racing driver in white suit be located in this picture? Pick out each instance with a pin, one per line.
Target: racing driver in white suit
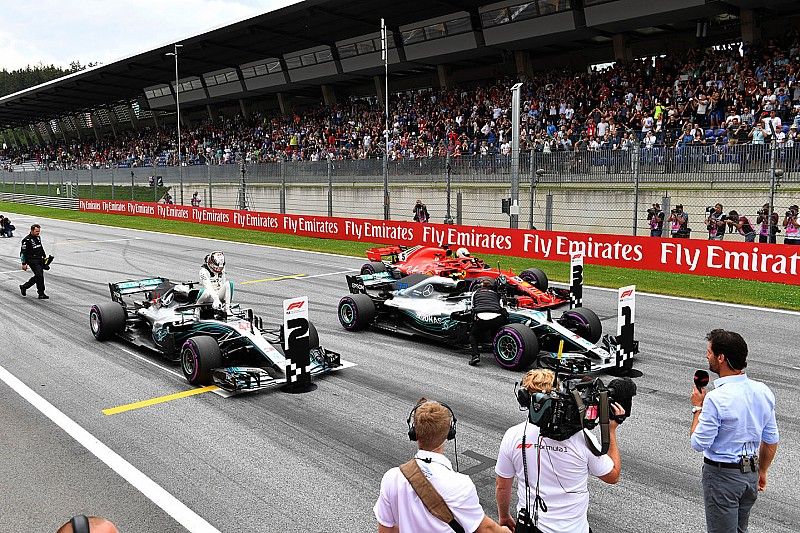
(217, 289)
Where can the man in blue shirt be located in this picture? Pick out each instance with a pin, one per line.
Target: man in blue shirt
(734, 426)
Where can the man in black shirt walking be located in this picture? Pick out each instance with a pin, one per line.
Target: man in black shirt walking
(32, 255)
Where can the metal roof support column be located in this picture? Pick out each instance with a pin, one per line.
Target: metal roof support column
(751, 26)
(95, 127)
(37, 135)
(522, 58)
(77, 127)
(283, 103)
(444, 72)
(328, 95)
(134, 118)
(622, 49)
(112, 118)
(245, 109)
(62, 129)
(210, 113)
(378, 89)
(155, 118)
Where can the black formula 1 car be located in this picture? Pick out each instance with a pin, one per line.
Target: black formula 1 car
(234, 351)
(440, 308)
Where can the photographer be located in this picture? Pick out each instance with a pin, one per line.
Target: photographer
(742, 224)
(655, 218)
(679, 223)
(557, 471)
(400, 507)
(768, 225)
(791, 227)
(715, 223)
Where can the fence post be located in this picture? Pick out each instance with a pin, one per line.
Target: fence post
(459, 207)
(636, 146)
(113, 175)
(210, 194)
(14, 185)
(91, 183)
(665, 207)
(132, 178)
(772, 182)
(548, 212)
(282, 171)
(448, 219)
(386, 185)
(48, 182)
(330, 186)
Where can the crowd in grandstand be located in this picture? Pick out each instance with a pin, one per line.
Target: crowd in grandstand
(723, 96)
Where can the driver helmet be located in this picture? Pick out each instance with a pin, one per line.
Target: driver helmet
(462, 252)
(216, 262)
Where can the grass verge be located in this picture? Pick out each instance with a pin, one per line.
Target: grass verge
(702, 287)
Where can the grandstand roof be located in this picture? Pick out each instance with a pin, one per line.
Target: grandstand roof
(322, 23)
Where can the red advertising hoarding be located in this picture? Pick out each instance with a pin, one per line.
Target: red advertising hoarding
(776, 263)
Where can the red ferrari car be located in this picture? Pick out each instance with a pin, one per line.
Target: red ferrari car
(531, 287)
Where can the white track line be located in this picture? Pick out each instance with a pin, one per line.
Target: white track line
(152, 490)
(665, 297)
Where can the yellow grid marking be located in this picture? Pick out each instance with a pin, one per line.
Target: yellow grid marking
(158, 400)
(279, 278)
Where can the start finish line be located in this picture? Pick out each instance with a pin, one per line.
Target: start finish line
(774, 263)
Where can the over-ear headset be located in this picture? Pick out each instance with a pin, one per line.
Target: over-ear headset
(80, 524)
(523, 397)
(412, 431)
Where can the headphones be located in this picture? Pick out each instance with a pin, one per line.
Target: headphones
(80, 524)
(523, 397)
(412, 431)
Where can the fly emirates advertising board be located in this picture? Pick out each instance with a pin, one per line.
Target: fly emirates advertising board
(775, 263)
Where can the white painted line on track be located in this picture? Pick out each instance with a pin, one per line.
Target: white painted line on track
(328, 274)
(149, 488)
(82, 241)
(663, 296)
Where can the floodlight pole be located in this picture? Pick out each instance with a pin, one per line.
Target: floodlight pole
(178, 109)
(385, 54)
(515, 105)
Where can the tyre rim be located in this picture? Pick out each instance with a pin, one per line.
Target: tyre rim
(347, 315)
(507, 348)
(188, 362)
(94, 321)
(367, 269)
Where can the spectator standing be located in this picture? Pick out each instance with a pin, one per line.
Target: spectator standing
(742, 225)
(32, 255)
(421, 212)
(734, 426)
(400, 507)
(195, 199)
(791, 226)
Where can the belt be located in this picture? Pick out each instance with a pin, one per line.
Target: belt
(711, 462)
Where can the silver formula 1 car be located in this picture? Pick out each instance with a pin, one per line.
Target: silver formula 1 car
(233, 350)
(440, 308)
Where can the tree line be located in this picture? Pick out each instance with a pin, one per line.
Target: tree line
(12, 81)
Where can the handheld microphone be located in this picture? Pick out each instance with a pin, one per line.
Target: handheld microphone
(700, 379)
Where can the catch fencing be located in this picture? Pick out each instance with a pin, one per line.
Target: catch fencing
(593, 191)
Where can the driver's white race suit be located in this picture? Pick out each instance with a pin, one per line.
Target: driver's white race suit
(217, 290)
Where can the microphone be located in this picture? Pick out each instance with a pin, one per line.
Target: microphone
(700, 379)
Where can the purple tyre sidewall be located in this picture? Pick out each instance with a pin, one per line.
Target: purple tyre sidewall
(517, 360)
(367, 268)
(195, 354)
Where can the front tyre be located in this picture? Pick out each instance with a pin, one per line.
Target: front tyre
(356, 312)
(515, 346)
(106, 320)
(373, 267)
(536, 277)
(200, 355)
(584, 322)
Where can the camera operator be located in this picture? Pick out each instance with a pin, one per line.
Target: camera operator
(655, 218)
(679, 223)
(557, 470)
(791, 227)
(742, 224)
(768, 225)
(715, 223)
(401, 508)
(734, 426)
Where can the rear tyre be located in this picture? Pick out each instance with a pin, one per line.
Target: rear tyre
(584, 322)
(536, 277)
(200, 355)
(515, 347)
(373, 267)
(356, 312)
(106, 320)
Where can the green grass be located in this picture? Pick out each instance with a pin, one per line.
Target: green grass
(702, 287)
(94, 192)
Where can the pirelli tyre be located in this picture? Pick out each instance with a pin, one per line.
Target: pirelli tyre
(356, 312)
(106, 320)
(373, 267)
(515, 347)
(200, 355)
(313, 336)
(584, 322)
(535, 277)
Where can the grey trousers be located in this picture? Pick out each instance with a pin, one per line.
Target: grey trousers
(729, 495)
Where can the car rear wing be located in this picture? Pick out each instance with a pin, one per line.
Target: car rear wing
(360, 283)
(377, 254)
(124, 288)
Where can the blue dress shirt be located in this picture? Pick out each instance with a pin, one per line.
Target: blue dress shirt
(737, 416)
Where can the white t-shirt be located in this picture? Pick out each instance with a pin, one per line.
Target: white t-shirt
(398, 504)
(566, 466)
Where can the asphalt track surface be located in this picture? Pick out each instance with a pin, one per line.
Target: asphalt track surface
(271, 461)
